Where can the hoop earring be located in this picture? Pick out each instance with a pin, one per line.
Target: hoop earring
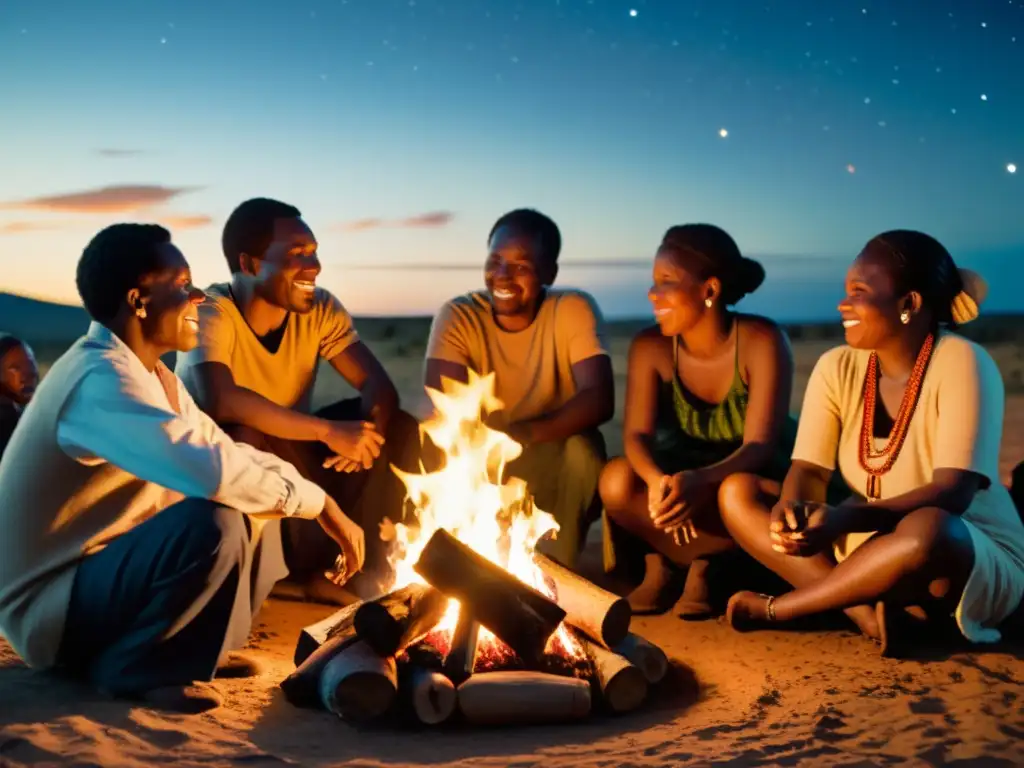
(905, 316)
(708, 303)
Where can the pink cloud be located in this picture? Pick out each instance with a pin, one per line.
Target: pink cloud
(429, 220)
(113, 199)
(18, 227)
(185, 222)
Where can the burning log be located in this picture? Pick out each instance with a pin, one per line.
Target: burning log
(358, 684)
(411, 612)
(516, 613)
(339, 624)
(623, 686)
(426, 695)
(461, 659)
(432, 696)
(651, 660)
(391, 623)
(507, 698)
(602, 615)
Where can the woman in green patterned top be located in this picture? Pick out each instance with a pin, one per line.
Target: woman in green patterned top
(707, 395)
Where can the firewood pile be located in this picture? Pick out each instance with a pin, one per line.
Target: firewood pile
(383, 658)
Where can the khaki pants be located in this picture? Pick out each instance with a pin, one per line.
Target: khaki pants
(562, 476)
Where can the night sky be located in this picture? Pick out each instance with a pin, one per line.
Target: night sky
(403, 128)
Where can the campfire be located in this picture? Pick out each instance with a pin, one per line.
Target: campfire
(476, 621)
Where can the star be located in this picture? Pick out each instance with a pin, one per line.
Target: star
(1011, 167)
(851, 168)
(632, 12)
(984, 97)
(722, 132)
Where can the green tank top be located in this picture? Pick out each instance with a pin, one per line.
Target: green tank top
(691, 434)
(719, 423)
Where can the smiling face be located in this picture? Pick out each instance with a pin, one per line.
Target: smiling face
(676, 295)
(286, 273)
(516, 273)
(171, 303)
(19, 375)
(872, 307)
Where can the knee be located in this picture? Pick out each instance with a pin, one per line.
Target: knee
(617, 486)
(932, 533)
(583, 454)
(212, 532)
(735, 496)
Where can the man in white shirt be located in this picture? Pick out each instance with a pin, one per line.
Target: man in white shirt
(131, 552)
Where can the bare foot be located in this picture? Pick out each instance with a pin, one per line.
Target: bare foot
(185, 699)
(746, 610)
(661, 587)
(865, 617)
(237, 664)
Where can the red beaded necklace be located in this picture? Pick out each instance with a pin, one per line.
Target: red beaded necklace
(891, 450)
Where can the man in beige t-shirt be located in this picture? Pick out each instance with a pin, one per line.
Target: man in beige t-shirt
(262, 337)
(549, 353)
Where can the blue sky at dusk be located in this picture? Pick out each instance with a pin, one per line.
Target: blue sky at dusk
(403, 128)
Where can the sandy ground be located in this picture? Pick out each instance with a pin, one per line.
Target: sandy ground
(769, 698)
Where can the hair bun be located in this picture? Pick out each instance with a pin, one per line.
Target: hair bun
(751, 275)
(966, 304)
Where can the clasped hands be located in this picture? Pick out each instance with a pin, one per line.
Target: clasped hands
(356, 445)
(672, 501)
(805, 528)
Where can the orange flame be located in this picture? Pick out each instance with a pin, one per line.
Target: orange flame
(470, 498)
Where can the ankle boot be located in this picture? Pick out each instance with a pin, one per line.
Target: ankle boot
(694, 605)
(661, 587)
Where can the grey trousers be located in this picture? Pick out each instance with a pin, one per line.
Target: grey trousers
(162, 603)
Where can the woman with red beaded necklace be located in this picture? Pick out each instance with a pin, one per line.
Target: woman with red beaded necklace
(912, 415)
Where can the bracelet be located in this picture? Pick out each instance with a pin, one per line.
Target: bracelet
(769, 608)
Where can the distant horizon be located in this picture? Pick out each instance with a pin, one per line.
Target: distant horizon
(797, 289)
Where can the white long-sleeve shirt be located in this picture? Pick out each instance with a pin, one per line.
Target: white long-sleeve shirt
(100, 449)
(120, 413)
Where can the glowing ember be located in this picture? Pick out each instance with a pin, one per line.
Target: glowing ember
(470, 498)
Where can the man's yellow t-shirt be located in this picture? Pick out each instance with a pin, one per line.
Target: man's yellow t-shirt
(532, 367)
(285, 376)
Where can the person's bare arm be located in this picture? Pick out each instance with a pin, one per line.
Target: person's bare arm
(951, 490)
(591, 406)
(437, 369)
(361, 368)
(805, 482)
(228, 403)
(770, 385)
(642, 383)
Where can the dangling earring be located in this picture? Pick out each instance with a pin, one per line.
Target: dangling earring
(141, 313)
(708, 303)
(905, 316)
